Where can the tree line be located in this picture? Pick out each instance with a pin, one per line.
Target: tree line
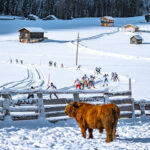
(67, 9)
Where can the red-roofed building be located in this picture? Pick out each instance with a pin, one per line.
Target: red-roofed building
(107, 21)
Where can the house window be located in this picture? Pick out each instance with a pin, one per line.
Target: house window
(26, 35)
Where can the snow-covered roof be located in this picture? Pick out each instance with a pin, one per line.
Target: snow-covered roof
(109, 17)
(31, 15)
(33, 29)
(50, 17)
(129, 25)
(137, 37)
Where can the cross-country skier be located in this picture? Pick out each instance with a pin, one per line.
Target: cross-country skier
(77, 84)
(52, 87)
(105, 79)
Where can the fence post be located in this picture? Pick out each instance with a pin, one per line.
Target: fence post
(130, 87)
(76, 97)
(106, 96)
(133, 109)
(142, 108)
(41, 109)
(6, 105)
(132, 100)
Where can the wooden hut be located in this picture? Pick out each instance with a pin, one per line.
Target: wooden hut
(147, 17)
(136, 39)
(131, 28)
(31, 35)
(32, 17)
(107, 21)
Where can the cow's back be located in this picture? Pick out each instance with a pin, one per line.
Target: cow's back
(95, 115)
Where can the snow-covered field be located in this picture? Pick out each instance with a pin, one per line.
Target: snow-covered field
(66, 135)
(108, 48)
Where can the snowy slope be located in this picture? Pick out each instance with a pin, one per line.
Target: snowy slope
(66, 135)
(99, 46)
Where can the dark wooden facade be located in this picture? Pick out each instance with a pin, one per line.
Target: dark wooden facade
(147, 17)
(136, 39)
(27, 36)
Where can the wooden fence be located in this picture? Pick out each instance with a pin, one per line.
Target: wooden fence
(142, 108)
(53, 109)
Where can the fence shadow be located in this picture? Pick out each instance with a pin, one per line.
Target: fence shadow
(146, 43)
(136, 140)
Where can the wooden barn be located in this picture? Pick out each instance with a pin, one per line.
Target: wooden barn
(107, 21)
(147, 17)
(31, 35)
(131, 28)
(136, 39)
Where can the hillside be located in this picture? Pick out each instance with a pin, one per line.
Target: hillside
(108, 48)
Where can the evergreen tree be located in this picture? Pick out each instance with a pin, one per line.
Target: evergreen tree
(25, 8)
(6, 7)
(1, 6)
(66, 9)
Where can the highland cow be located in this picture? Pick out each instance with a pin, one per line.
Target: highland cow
(90, 117)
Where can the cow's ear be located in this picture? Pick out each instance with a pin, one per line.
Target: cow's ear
(74, 104)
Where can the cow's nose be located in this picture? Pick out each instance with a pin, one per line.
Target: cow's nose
(66, 113)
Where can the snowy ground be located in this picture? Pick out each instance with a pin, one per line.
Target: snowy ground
(108, 48)
(99, 46)
(66, 135)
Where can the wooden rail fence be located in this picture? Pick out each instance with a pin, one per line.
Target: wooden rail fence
(53, 109)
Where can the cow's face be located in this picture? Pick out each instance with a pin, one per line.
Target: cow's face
(71, 108)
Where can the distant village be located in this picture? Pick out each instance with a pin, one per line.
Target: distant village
(32, 34)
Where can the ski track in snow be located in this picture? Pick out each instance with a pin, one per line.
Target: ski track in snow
(98, 35)
(16, 82)
(34, 78)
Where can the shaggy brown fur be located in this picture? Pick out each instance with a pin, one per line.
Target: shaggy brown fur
(90, 117)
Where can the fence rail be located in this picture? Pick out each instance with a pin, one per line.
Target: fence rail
(16, 92)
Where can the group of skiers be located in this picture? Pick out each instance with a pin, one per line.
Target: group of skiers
(51, 63)
(55, 64)
(114, 77)
(89, 82)
(85, 82)
(17, 61)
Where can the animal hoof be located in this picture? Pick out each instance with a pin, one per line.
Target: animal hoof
(101, 131)
(109, 141)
